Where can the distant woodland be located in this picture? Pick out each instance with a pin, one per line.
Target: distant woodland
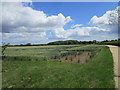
(74, 42)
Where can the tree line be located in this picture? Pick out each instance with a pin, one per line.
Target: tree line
(75, 42)
(71, 42)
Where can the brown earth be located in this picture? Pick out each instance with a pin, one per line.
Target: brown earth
(82, 58)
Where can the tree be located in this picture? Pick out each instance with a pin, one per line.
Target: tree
(94, 41)
(28, 44)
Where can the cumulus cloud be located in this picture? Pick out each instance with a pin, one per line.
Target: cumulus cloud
(17, 18)
(77, 32)
(23, 38)
(108, 21)
(22, 24)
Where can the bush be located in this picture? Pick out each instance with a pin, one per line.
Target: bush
(78, 61)
(66, 58)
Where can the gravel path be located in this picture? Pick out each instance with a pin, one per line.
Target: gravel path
(114, 50)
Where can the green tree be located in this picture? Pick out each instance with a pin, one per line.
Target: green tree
(94, 41)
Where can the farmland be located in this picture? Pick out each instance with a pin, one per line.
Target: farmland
(58, 66)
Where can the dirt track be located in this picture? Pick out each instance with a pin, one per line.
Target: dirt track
(114, 50)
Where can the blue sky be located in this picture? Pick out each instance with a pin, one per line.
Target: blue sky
(43, 22)
(80, 12)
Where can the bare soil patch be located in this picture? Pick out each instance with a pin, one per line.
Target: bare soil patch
(79, 58)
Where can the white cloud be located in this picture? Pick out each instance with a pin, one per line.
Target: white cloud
(23, 38)
(77, 25)
(109, 24)
(108, 21)
(20, 24)
(76, 32)
(17, 18)
(16, 1)
(23, 25)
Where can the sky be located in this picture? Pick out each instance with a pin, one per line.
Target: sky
(43, 22)
(80, 12)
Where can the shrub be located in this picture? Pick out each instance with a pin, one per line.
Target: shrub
(78, 61)
(66, 58)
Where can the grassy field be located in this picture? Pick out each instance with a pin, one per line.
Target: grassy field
(37, 52)
(33, 67)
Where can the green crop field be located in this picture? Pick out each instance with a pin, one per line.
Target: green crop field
(41, 67)
(37, 52)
